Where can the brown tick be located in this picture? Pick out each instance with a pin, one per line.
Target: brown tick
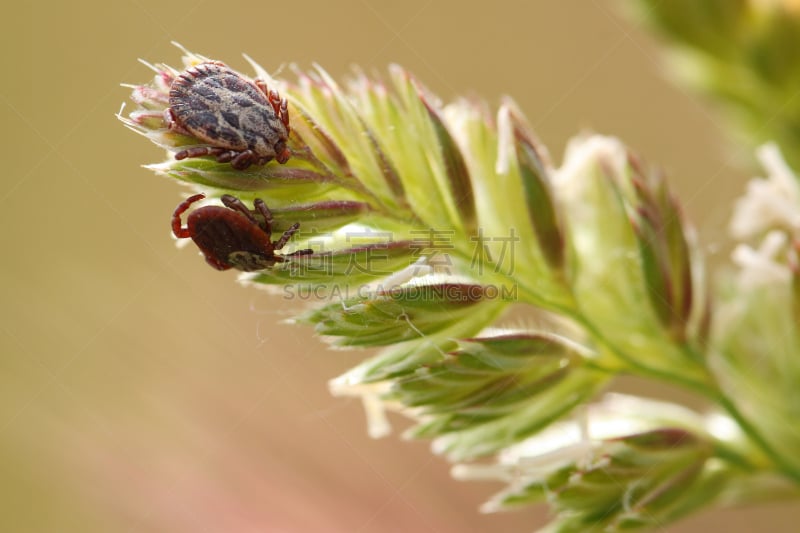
(231, 236)
(242, 122)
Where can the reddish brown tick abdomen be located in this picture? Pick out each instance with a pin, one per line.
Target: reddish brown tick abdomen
(231, 236)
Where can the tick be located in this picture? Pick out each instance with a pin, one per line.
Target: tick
(232, 236)
(241, 121)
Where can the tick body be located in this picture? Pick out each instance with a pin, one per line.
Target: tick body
(232, 236)
(242, 122)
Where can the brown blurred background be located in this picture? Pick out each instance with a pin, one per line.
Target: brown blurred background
(142, 391)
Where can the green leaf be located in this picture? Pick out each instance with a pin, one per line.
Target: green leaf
(463, 439)
(487, 378)
(404, 313)
(665, 251)
(538, 195)
(421, 166)
(333, 273)
(319, 96)
(457, 172)
(282, 185)
(310, 137)
(319, 217)
(405, 358)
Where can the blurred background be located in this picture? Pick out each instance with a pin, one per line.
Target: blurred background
(142, 391)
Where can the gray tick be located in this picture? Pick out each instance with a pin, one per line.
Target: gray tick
(242, 122)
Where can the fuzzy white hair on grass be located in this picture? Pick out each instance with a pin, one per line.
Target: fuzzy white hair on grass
(769, 203)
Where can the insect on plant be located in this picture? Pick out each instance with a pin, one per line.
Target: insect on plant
(242, 122)
(232, 236)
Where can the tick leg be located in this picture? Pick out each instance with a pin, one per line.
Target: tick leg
(242, 160)
(231, 202)
(286, 236)
(284, 114)
(177, 229)
(307, 251)
(279, 105)
(199, 151)
(267, 214)
(282, 153)
(262, 86)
